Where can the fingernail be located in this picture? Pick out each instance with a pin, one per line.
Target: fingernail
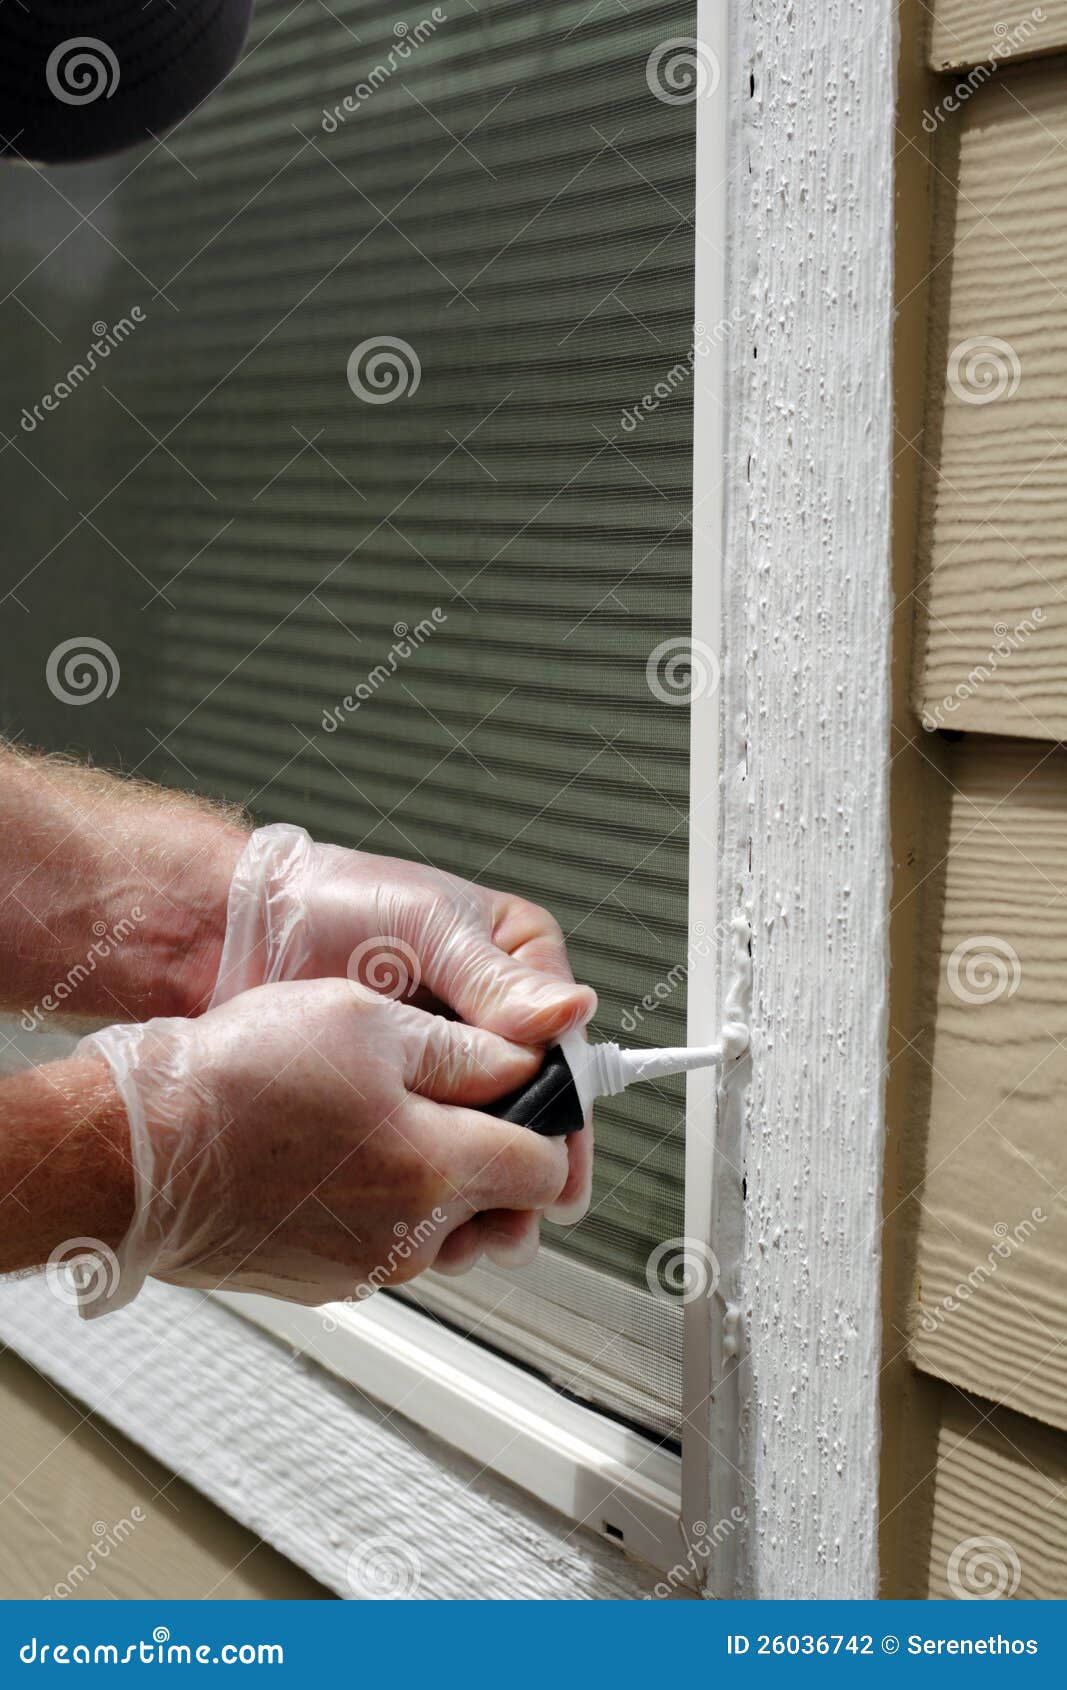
(569, 1214)
(589, 1007)
(455, 1270)
(575, 1210)
(580, 1002)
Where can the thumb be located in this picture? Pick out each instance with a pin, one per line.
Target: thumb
(493, 990)
(451, 1063)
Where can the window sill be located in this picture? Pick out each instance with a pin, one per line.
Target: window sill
(596, 1473)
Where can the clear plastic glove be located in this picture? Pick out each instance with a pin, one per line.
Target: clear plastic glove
(311, 1140)
(299, 910)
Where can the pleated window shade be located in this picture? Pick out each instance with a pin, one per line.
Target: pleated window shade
(486, 564)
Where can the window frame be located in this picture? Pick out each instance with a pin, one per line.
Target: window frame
(595, 1471)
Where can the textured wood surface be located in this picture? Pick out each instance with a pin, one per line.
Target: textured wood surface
(991, 1298)
(994, 657)
(86, 1515)
(363, 1500)
(973, 32)
(1000, 1507)
(806, 760)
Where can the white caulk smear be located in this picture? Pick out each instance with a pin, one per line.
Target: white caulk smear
(739, 991)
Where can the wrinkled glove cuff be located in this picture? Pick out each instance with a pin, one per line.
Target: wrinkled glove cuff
(266, 938)
(151, 1078)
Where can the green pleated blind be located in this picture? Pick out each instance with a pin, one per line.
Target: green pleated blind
(482, 563)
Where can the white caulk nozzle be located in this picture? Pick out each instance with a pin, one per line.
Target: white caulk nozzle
(605, 1070)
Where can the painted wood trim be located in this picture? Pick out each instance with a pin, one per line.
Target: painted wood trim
(965, 33)
(359, 1497)
(807, 702)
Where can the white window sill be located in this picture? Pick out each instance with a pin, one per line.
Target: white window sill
(598, 1474)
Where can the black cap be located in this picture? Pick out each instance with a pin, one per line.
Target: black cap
(83, 78)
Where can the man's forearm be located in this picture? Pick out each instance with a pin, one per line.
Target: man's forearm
(112, 893)
(65, 1170)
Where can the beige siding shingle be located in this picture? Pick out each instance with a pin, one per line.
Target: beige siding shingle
(1000, 1507)
(991, 1297)
(994, 655)
(967, 32)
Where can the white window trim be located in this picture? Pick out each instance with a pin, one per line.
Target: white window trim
(807, 693)
(588, 1468)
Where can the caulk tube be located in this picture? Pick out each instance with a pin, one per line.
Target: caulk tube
(551, 1103)
(574, 1074)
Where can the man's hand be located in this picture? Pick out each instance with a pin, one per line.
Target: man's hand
(116, 901)
(299, 910)
(314, 1141)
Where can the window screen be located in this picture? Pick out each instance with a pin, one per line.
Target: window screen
(383, 504)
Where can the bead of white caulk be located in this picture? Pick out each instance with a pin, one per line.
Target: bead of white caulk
(735, 1039)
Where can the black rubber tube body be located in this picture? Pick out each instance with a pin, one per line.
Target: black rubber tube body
(548, 1104)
